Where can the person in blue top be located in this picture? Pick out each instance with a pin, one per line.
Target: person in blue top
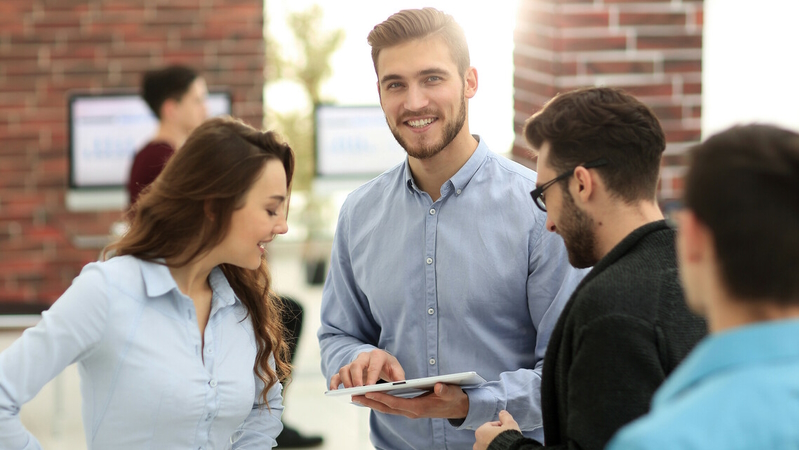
(738, 245)
(443, 263)
(177, 337)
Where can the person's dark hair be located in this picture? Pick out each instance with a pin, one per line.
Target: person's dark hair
(601, 122)
(164, 84)
(211, 176)
(743, 184)
(411, 24)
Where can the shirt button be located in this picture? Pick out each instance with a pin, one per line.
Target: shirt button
(429, 260)
(432, 211)
(432, 361)
(431, 311)
(458, 191)
(212, 383)
(209, 350)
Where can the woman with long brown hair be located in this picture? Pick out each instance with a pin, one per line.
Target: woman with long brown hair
(177, 337)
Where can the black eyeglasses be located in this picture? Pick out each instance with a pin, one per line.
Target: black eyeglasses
(538, 193)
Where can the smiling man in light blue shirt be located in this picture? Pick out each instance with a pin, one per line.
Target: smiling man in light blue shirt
(442, 264)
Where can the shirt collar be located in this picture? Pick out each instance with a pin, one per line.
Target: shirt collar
(744, 346)
(158, 281)
(464, 174)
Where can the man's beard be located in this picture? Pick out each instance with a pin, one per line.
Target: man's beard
(451, 130)
(576, 228)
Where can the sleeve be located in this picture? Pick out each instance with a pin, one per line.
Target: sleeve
(262, 426)
(551, 281)
(67, 332)
(348, 328)
(614, 374)
(513, 440)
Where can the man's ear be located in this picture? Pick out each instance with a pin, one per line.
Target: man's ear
(470, 82)
(168, 109)
(584, 184)
(693, 236)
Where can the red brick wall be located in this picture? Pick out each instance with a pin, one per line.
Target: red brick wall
(48, 47)
(653, 49)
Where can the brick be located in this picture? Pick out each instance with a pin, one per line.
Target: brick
(652, 18)
(668, 112)
(683, 135)
(581, 44)
(618, 67)
(581, 19)
(536, 40)
(692, 88)
(534, 87)
(649, 90)
(526, 108)
(668, 42)
(682, 66)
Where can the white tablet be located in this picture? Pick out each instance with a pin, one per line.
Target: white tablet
(411, 388)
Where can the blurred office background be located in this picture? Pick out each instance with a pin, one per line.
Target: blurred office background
(701, 65)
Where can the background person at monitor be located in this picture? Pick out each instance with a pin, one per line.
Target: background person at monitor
(626, 327)
(176, 95)
(738, 244)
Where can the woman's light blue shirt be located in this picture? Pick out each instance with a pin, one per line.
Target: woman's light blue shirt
(144, 382)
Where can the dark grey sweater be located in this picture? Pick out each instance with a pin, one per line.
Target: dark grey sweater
(625, 328)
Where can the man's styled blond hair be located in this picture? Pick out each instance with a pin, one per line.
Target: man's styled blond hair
(411, 24)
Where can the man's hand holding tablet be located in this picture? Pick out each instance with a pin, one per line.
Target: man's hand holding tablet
(445, 400)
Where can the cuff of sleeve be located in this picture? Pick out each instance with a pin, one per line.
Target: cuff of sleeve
(483, 408)
(511, 440)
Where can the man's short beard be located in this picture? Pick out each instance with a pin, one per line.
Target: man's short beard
(451, 131)
(577, 230)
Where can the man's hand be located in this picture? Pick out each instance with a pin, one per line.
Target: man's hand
(447, 401)
(489, 430)
(367, 368)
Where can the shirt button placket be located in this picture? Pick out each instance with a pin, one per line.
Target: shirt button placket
(431, 294)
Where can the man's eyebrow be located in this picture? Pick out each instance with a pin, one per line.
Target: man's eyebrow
(433, 71)
(390, 77)
(421, 73)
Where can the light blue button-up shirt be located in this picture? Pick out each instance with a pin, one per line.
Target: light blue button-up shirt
(738, 389)
(472, 281)
(144, 382)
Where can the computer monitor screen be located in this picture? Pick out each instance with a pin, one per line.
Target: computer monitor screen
(354, 142)
(105, 132)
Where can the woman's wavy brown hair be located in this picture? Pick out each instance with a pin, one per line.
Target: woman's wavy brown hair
(210, 176)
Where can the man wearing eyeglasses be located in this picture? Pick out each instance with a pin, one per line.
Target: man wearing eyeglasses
(626, 326)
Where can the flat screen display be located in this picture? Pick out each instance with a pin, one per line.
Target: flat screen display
(105, 132)
(354, 142)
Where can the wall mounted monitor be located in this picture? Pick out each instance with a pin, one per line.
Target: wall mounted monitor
(354, 142)
(105, 132)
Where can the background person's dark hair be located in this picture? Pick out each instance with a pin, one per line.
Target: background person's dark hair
(161, 85)
(743, 184)
(591, 123)
(210, 176)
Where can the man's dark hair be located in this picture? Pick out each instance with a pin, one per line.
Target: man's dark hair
(743, 184)
(161, 85)
(600, 122)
